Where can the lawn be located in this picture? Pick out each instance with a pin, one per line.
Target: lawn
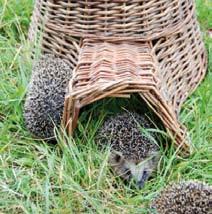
(36, 177)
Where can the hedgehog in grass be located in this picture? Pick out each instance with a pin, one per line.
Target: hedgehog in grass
(134, 154)
(46, 94)
(185, 198)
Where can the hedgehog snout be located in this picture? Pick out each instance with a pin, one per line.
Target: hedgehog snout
(144, 178)
(140, 172)
(143, 170)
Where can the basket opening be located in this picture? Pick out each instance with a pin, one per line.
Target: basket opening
(95, 113)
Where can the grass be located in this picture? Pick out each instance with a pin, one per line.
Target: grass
(36, 177)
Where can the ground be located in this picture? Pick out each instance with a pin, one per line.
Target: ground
(36, 177)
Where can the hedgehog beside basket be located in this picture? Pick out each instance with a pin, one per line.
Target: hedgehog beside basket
(151, 48)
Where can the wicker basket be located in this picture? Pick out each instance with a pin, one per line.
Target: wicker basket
(119, 47)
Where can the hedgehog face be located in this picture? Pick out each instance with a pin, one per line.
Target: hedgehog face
(138, 171)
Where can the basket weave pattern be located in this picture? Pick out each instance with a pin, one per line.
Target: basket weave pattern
(118, 18)
(120, 47)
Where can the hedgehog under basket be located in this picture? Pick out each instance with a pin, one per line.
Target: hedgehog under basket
(153, 48)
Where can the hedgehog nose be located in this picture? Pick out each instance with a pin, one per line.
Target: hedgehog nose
(143, 179)
(140, 184)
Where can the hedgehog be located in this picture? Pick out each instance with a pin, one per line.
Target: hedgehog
(186, 197)
(134, 154)
(46, 94)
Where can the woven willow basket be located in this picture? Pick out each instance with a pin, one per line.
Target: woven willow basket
(118, 47)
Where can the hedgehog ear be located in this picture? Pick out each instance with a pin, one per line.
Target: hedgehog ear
(116, 157)
(156, 156)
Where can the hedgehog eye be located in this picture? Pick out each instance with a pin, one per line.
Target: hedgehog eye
(127, 172)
